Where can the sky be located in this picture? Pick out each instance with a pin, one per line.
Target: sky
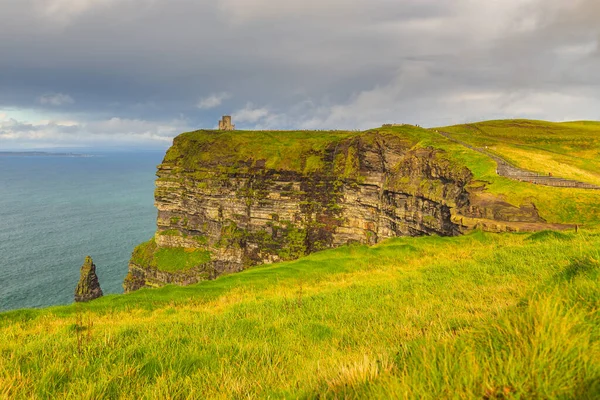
(135, 73)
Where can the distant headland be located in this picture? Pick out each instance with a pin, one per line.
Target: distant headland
(40, 154)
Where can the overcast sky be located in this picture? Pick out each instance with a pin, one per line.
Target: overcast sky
(135, 73)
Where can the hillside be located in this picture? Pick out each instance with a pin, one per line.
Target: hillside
(478, 316)
(580, 141)
(568, 150)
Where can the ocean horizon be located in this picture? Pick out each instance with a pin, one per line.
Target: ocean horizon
(57, 209)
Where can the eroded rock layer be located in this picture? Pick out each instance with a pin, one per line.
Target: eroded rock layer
(244, 198)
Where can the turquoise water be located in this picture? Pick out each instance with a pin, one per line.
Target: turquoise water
(56, 210)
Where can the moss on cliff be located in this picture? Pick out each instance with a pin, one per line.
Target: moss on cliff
(169, 259)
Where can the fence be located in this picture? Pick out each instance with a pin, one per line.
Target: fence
(509, 170)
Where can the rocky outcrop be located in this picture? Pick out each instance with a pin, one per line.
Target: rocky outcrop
(88, 287)
(146, 276)
(252, 198)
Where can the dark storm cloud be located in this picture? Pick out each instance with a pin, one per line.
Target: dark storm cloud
(148, 68)
(176, 50)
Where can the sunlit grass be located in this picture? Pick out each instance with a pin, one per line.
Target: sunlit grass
(479, 316)
(169, 259)
(561, 165)
(576, 154)
(570, 150)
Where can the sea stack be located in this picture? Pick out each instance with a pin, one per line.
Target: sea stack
(88, 287)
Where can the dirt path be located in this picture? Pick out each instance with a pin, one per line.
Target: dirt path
(508, 170)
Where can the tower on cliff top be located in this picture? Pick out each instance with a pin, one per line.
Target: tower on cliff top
(225, 124)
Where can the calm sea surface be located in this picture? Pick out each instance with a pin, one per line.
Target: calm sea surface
(56, 210)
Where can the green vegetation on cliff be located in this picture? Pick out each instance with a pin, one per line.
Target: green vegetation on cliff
(569, 150)
(169, 259)
(477, 316)
(300, 151)
(315, 169)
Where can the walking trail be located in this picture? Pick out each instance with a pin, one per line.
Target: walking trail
(511, 171)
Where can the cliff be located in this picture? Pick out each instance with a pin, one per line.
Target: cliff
(230, 200)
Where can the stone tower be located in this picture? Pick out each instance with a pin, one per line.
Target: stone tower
(225, 124)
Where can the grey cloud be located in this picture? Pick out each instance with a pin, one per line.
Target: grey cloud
(55, 99)
(212, 101)
(296, 63)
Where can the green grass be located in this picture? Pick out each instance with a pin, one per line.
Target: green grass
(299, 151)
(569, 149)
(169, 259)
(478, 316)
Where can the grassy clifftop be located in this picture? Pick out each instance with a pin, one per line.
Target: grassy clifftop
(283, 150)
(300, 151)
(568, 150)
(478, 316)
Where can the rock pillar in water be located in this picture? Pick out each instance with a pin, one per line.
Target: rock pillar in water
(88, 287)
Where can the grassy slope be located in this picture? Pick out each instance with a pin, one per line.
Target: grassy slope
(467, 317)
(569, 149)
(572, 144)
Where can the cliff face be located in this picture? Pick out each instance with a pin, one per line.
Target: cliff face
(230, 201)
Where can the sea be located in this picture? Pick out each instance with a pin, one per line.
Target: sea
(55, 209)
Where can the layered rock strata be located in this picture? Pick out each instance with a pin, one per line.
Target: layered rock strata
(247, 207)
(88, 287)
